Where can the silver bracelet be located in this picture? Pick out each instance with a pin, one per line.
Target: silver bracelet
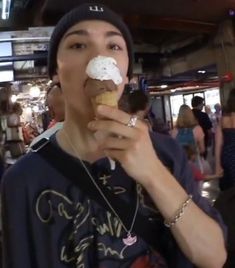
(179, 213)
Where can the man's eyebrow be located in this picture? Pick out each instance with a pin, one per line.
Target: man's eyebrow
(85, 33)
(113, 33)
(77, 32)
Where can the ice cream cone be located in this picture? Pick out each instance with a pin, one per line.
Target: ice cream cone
(109, 98)
(102, 84)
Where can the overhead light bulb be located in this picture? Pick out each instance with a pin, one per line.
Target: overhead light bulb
(201, 71)
(34, 92)
(163, 86)
(231, 12)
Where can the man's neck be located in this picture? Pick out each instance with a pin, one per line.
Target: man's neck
(79, 142)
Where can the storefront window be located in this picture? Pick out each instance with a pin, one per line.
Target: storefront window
(212, 97)
(187, 99)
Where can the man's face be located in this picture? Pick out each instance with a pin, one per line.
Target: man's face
(80, 44)
(201, 105)
(207, 109)
(217, 108)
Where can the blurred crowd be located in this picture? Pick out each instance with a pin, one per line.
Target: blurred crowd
(207, 137)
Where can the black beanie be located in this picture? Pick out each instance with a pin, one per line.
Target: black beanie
(81, 13)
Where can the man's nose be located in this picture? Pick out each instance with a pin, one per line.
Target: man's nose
(98, 51)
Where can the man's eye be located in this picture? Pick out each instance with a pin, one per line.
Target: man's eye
(115, 47)
(77, 46)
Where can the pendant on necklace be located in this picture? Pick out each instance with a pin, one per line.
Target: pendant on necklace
(129, 240)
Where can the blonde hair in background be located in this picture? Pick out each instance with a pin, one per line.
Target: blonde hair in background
(186, 118)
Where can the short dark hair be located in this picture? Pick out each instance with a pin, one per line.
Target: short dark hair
(196, 100)
(190, 151)
(138, 101)
(50, 89)
(51, 86)
(16, 107)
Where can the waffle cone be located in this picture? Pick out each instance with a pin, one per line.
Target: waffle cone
(109, 98)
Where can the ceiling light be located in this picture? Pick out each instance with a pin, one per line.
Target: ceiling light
(201, 71)
(163, 86)
(6, 5)
(34, 92)
(231, 12)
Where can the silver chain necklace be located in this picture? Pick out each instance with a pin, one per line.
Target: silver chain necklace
(129, 239)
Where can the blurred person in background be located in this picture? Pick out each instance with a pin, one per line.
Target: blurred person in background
(186, 124)
(14, 131)
(188, 133)
(225, 144)
(13, 119)
(2, 151)
(138, 102)
(55, 102)
(212, 117)
(203, 119)
(214, 121)
(192, 157)
(218, 111)
(160, 126)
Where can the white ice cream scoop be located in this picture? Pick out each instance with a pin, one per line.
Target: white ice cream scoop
(104, 68)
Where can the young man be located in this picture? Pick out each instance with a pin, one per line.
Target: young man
(55, 102)
(58, 224)
(203, 119)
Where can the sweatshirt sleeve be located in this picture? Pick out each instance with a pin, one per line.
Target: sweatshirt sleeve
(17, 247)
